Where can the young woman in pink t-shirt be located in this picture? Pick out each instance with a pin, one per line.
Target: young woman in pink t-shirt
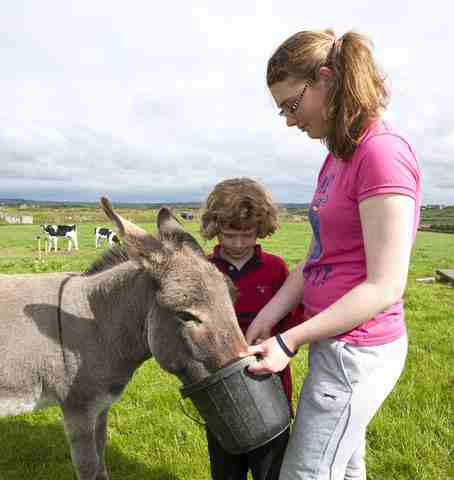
(364, 216)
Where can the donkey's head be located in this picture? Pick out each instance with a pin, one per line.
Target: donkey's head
(192, 329)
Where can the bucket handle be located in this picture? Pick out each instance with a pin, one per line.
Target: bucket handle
(196, 420)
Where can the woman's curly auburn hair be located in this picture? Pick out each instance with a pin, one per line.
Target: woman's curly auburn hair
(241, 204)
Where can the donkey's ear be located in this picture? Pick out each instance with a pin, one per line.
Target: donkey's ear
(167, 222)
(170, 229)
(135, 237)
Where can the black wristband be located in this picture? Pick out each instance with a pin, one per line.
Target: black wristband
(284, 347)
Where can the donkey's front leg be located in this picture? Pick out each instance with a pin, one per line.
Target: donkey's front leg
(80, 430)
(101, 437)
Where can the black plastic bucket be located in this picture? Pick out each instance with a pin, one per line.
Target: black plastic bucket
(242, 410)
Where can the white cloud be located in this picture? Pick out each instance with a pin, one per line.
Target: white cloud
(160, 103)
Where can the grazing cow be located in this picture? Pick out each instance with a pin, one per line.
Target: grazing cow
(54, 232)
(102, 233)
(76, 339)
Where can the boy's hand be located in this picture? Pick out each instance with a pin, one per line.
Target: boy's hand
(257, 332)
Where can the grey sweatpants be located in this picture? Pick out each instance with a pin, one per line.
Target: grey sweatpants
(343, 390)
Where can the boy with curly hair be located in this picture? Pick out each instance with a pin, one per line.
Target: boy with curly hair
(237, 212)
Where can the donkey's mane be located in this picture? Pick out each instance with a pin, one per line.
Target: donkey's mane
(109, 259)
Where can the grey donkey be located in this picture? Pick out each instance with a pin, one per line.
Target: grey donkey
(76, 339)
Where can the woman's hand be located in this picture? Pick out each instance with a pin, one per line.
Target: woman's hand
(273, 358)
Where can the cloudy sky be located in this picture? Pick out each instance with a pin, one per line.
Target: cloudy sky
(157, 101)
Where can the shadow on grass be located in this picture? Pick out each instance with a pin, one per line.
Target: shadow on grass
(41, 452)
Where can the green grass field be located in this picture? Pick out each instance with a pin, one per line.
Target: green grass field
(412, 437)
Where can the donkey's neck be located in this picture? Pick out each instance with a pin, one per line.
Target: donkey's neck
(120, 299)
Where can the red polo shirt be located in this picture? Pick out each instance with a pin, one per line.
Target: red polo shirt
(257, 282)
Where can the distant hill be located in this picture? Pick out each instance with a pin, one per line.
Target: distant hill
(438, 215)
(14, 201)
(429, 213)
(57, 204)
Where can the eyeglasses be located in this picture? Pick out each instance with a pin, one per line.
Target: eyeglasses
(290, 110)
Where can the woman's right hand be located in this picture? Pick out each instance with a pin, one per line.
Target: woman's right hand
(271, 357)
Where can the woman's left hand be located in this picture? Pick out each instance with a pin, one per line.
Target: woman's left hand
(272, 358)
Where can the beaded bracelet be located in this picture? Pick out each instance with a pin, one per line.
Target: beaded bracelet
(284, 347)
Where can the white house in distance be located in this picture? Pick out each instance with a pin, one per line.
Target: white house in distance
(17, 219)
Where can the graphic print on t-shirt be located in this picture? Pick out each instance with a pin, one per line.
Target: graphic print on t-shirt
(318, 274)
(314, 218)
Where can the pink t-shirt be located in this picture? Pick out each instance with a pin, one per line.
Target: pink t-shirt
(383, 163)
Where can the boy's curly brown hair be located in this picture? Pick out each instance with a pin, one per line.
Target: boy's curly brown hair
(241, 204)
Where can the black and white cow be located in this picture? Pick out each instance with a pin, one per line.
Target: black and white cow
(102, 233)
(54, 232)
(187, 215)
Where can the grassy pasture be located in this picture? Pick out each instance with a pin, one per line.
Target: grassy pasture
(412, 437)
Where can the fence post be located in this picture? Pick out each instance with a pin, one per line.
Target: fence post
(39, 247)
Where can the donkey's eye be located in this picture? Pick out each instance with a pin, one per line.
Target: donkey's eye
(187, 317)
